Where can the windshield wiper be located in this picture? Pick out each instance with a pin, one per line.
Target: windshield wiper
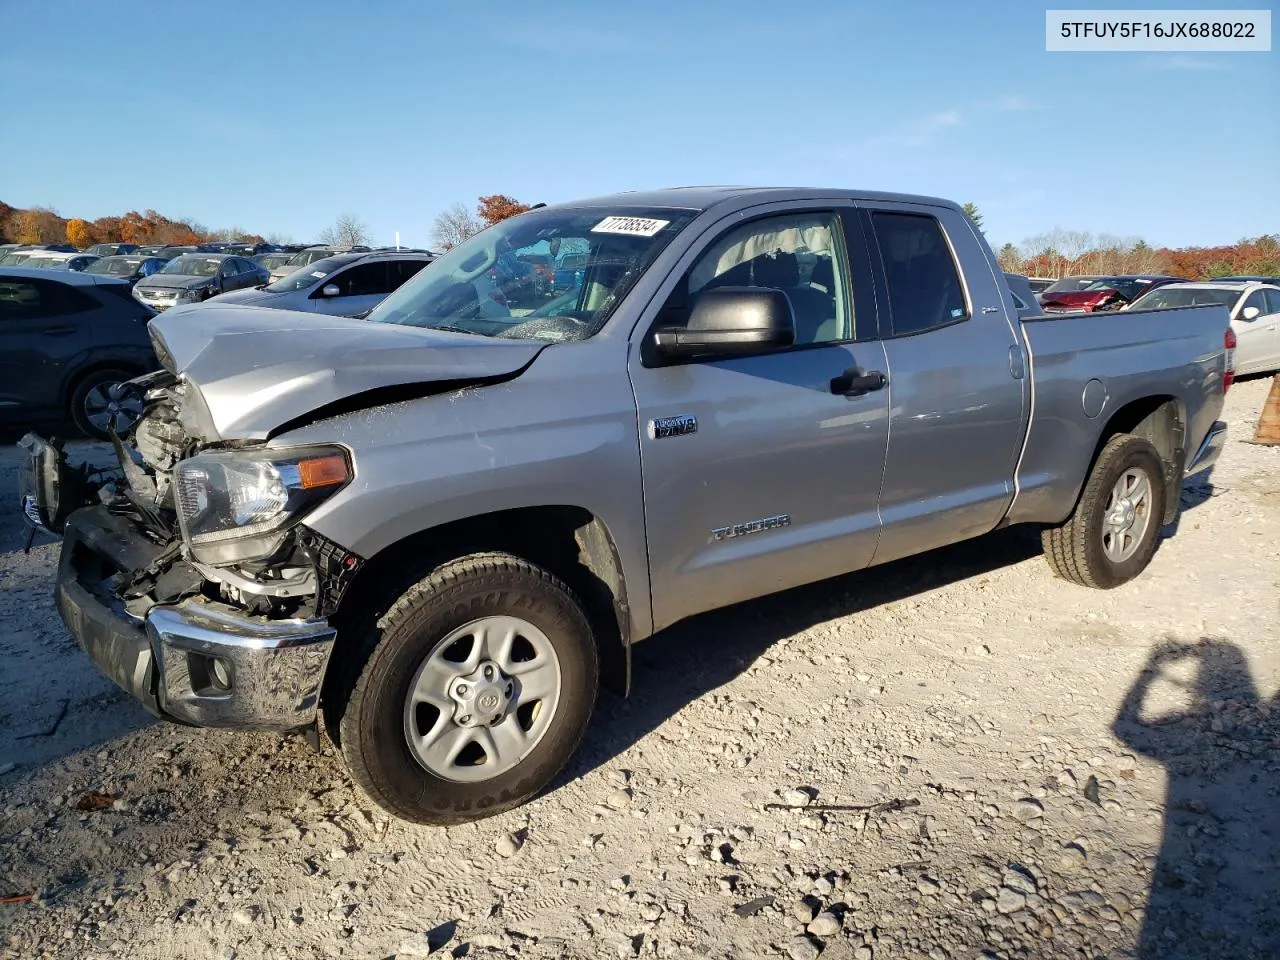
(449, 328)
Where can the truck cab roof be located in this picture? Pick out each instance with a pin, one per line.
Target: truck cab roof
(706, 197)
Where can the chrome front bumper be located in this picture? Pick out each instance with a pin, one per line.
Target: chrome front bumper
(195, 662)
(218, 669)
(1210, 450)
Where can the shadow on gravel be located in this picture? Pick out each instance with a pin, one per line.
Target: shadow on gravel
(696, 656)
(1215, 890)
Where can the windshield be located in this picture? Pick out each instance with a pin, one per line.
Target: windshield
(269, 261)
(116, 266)
(308, 276)
(307, 257)
(485, 286)
(1185, 297)
(22, 256)
(193, 266)
(1128, 288)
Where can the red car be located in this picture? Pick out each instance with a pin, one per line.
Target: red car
(1091, 294)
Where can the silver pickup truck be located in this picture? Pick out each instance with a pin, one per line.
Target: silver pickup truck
(441, 527)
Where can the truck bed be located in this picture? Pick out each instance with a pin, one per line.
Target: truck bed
(1089, 369)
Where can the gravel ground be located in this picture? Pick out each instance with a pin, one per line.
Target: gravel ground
(1049, 772)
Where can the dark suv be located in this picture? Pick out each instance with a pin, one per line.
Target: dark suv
(65, 340)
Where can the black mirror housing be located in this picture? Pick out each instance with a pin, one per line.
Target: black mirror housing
(731, 322)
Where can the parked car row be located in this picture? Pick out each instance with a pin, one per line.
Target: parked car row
(1087, 294)
(195, 277)
(1253, 303)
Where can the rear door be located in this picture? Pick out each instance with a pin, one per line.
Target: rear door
(958, 389)
(758, 474)
(44, 326)
(246, 274)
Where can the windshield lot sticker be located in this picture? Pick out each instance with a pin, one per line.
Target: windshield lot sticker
(632, 226)
(319, 273)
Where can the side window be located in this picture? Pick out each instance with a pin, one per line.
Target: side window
(1255, 300)
(63, 299)
(402, 270)
(924, 287)
(800, 254)
(38, 299)
(21, 300)
(1273, 301)
(363, 280)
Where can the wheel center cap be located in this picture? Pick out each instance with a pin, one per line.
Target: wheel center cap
(480, 698)
(1123, 515)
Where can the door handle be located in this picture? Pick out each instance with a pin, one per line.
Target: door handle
(58, 331)
(855, 382)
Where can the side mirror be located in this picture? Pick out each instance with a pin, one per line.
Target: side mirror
(731, 321)
(1250, 313)
(330, 290)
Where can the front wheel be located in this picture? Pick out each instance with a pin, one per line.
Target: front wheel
(1113, 533)
(470, 694)
(94, 410)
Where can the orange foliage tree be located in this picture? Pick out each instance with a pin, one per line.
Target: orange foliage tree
(79, 233)
(497, 207)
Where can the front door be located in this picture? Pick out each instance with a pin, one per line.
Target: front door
(361, 287)
(958, 381)
(1257, 346)
(757, 476)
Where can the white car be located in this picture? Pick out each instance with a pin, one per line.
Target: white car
(1255, 316)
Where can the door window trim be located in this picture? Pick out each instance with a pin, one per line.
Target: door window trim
(865, 211)
(862, 298)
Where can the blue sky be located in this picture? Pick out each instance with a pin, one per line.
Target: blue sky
(278, 117)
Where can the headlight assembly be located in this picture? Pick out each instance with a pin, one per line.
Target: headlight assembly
(234, 507)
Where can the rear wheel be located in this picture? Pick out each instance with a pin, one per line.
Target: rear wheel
(470, 694)
(93, 409)
(1115, 529)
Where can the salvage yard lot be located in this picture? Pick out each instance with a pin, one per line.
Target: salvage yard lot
(1046, 777)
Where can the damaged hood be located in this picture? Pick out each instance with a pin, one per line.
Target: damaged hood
(256, 369)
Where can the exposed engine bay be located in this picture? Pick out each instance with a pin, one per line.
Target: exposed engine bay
(285, 571)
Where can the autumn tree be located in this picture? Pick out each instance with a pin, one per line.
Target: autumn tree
(498, 207)
(972, 210)
(79, 233)
(1010, 260)
(347, 230)
(37, 225)
(455, 225)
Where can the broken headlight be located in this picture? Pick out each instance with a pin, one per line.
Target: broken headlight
(234, 507)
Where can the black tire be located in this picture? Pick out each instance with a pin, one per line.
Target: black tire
(365, 706)
(1074, 549)
(80, 397)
